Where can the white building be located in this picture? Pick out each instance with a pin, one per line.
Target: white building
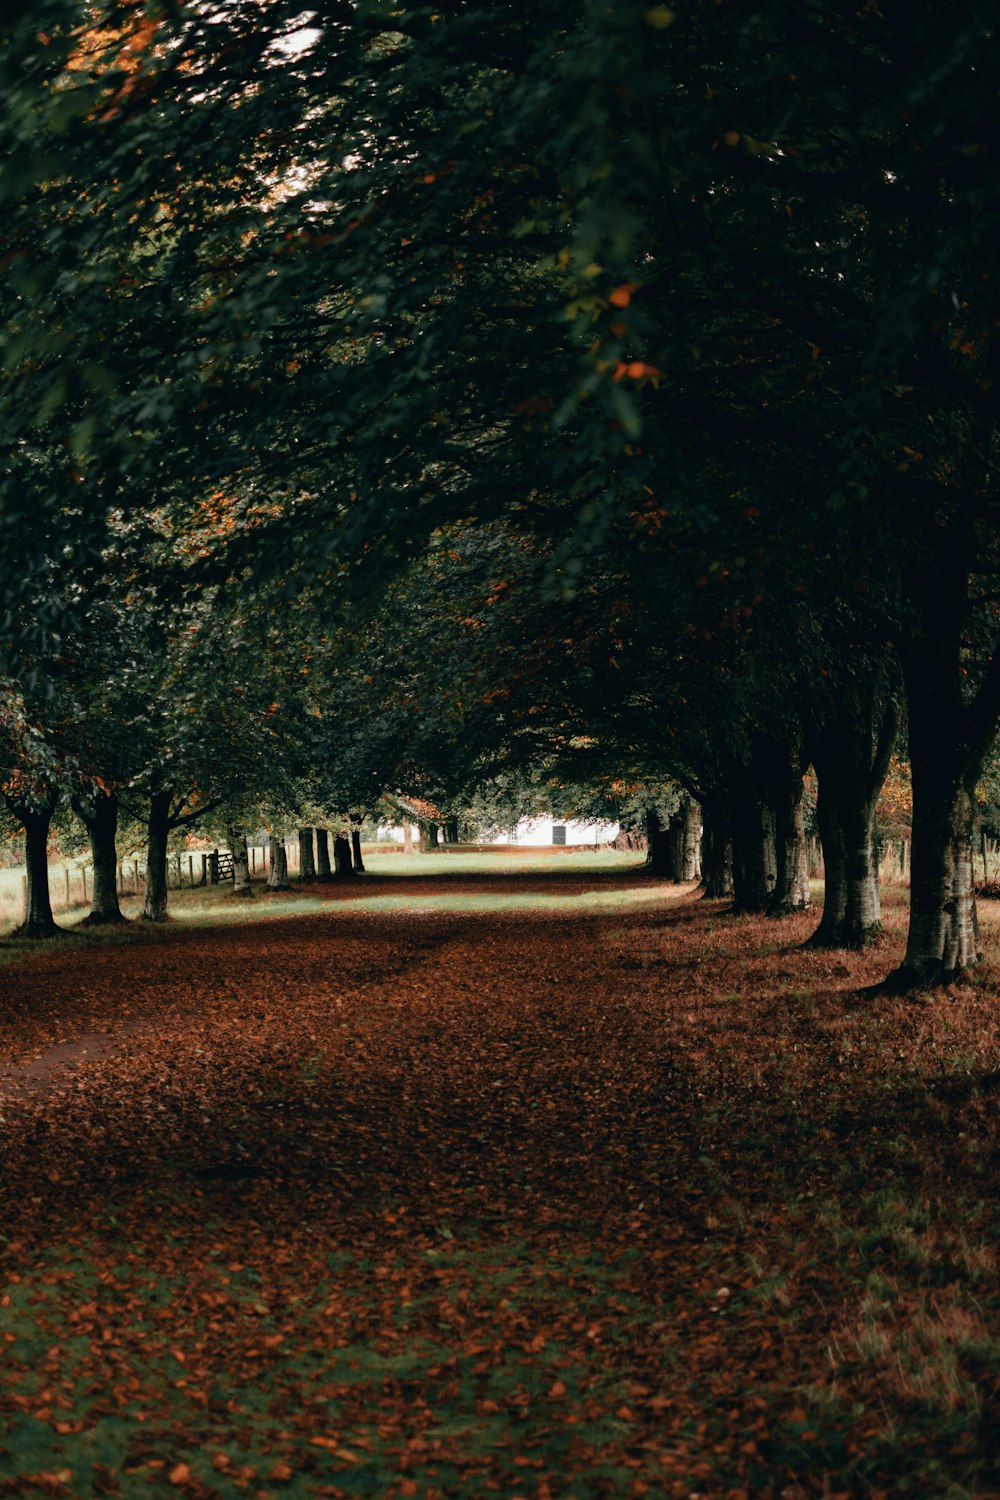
(544, 832)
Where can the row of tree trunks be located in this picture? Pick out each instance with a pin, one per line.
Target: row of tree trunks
(674, 852)
(346, 857)
(755, 845)
(98, 810)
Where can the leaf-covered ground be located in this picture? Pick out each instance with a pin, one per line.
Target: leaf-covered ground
(551, 1184)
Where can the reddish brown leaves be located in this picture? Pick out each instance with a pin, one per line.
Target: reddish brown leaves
(632, 1191)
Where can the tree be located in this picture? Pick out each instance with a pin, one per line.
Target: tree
(749, 277)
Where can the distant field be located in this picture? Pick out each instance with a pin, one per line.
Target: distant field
(215, 903)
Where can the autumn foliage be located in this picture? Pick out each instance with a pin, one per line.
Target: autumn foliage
(561, 1185)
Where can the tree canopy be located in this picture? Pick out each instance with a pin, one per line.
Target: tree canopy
(622, 377)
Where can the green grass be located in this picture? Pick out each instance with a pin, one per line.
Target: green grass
(215, 905)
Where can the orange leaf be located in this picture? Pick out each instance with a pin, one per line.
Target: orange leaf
(622, 295)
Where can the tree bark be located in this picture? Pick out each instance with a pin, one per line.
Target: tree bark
(943, 937)
(359, 864)
(277, 867)
(342, 862)
(845, 812)
(451, 831)
(35, 819)
(323, 868)
(99, 815)
(716, 851)
(432, 836)
(659, 847)
(157, 833)
(688, 848)
(851, 738)
(307, 864)
(755, 865)
(791, 887)
(241, 862)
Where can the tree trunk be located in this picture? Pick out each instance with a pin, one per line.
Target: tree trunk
(451, 831)
(157, 832)
(241, 862)
(852, 909)
(716, 851)
(323, 869)
(675, 837)
(791, 888)
(755, 865)
(359, 864)
(951, 730)
(943, 937)
(432, 836)
(307, 864)
(342, 862)
(689, 844)
(36, 820)
(851, 738)
(277, 867)
(99, 815)
(659, 848)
